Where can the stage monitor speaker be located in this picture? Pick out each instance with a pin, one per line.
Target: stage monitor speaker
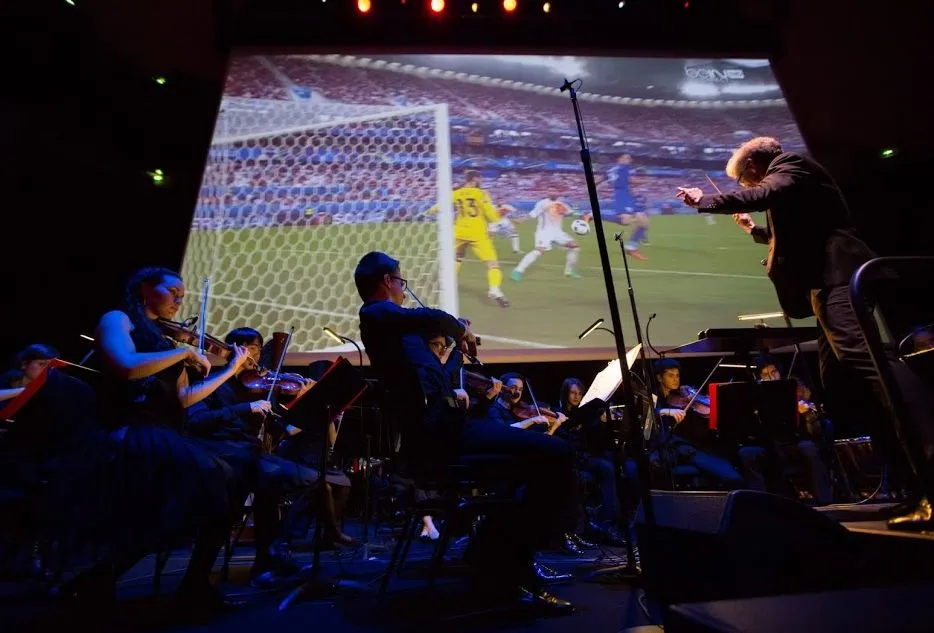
(726, 545)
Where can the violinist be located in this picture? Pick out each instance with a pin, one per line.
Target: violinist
(692, 442)
(435, 429)
(166, 487)
(804, 451)
(510, 409)
(595, 463)
(229, 422)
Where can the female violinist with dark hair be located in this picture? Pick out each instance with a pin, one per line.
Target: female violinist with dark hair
(591, 445)
(167, 488)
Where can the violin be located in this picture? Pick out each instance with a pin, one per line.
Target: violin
(477, 383)
(217, 351)
(261, 381)
(689, 399)
(524, 411)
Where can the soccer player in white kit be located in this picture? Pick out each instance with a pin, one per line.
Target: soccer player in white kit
(549, 214)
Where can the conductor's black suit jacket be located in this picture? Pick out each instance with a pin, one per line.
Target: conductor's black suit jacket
(810, 234)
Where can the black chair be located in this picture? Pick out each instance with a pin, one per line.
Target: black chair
(891, 299)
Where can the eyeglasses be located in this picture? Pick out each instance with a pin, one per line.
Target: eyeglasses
(401, 280)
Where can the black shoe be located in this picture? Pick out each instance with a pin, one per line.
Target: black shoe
(569, 547)
(547, 575)
(547, 602)
(919, 520)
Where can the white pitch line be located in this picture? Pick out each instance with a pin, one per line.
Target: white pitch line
(515, 341)
(273, 304)
(651, 271)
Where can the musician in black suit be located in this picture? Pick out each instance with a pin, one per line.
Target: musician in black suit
(435, 428)
(813, 252)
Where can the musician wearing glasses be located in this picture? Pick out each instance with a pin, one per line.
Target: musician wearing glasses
(813, 251)
(436, 431)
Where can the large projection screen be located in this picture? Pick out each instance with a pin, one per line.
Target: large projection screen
(317, 159)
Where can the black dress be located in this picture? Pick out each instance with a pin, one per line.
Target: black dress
(164, 485)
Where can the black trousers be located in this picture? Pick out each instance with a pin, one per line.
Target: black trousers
(854, 392)
(541, 466)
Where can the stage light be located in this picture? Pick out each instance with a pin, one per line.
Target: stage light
(622, 3)
(159, 80)
(437, 6)
(888, 153)
(509, 5)
(546, 7)
(474, 7)
(157, 176)
(363, 6)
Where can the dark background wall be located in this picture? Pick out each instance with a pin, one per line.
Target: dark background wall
(81, 119)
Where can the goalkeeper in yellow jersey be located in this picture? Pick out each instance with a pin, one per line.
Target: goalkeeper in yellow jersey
(474, 213)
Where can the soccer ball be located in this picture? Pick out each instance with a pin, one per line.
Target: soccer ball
(580, 227)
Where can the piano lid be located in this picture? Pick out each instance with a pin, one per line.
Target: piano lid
(748, 340)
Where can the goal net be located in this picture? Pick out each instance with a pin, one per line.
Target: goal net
(294, 193)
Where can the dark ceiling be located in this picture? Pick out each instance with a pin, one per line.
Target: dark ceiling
(82, 119)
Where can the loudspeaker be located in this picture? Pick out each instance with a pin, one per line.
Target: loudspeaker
(724, 545)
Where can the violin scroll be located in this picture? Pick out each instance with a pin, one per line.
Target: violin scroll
(470, 342)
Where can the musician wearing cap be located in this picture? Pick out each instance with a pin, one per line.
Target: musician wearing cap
(813, 251)
(432, 418)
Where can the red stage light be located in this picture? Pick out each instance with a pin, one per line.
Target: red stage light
(364, 6)
(509, 5)
(437, 6)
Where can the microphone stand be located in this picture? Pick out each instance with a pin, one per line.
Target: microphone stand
(636, 423)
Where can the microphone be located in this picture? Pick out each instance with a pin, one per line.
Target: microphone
(567, 85)
(590, 328)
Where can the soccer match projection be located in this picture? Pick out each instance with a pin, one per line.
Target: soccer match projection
(467, 169)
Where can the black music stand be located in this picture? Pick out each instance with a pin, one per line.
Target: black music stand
(336, 391)
(763, 411)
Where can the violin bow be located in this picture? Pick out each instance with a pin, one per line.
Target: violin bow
(285, 349)
(203, 317)
(528, 386)
(704, 384)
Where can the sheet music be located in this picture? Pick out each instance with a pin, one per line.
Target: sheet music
(609, 380)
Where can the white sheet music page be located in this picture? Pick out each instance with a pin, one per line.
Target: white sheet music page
(609, 380)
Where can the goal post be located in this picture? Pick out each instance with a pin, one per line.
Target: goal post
(295, 192)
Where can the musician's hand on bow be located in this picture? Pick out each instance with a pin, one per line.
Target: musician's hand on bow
(199, 360)
(240, 357)
(261, 406)
(677, 414)
(744, 221)
(463, 400)
(690, 196)
(556, 424)
(495, 389)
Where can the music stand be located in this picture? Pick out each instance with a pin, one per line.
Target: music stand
(336, 391)
(763, 411)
